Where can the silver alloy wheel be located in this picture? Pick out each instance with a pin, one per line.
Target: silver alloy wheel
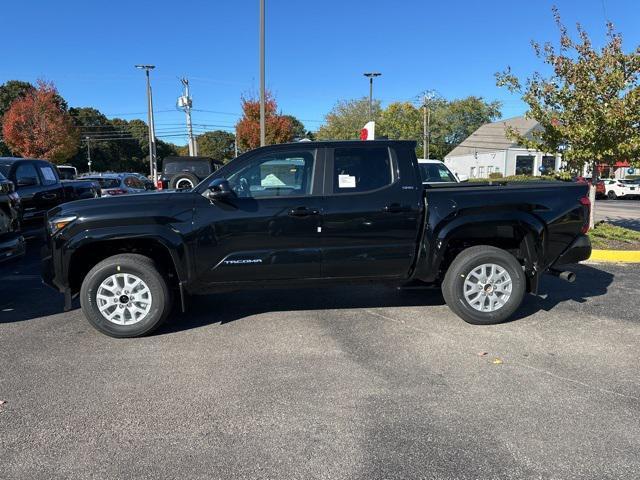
(124, 299)
(184, 183)
(487, 288)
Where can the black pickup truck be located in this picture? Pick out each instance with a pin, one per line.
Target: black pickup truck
(40, 188)
(310, 214)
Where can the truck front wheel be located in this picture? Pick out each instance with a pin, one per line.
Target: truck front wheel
(484, 285)
(125, 296)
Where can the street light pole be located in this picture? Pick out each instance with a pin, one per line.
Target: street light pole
(371, 76)
(152, 130)
(262, 112)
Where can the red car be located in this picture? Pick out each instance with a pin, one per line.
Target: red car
(601, 191)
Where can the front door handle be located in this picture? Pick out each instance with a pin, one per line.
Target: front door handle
(49, 196)
(303, 212)
(395, 208)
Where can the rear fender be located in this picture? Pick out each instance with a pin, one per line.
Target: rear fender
(518, 230)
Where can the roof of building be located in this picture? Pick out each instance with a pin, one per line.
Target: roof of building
(492, 137)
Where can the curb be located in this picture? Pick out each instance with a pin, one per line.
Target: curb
(615, 256)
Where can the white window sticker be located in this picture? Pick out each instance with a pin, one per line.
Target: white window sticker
(346, 181)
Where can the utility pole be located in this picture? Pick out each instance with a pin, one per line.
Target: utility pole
(153, 165)
(262, 113)
(371, 76)
(185, 103)
(88, 139)
(426, 123)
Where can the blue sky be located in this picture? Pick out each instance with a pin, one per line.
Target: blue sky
(316, 51)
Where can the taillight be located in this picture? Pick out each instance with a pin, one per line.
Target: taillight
(159, 185)
(116, 191)
(585, 202)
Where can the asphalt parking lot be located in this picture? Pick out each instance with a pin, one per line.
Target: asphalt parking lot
(625, 213)
(363, 382)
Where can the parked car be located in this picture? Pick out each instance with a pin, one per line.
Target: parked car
(112, 184)
(318, 213)
(12, 243)
(619, 188)
(184, 173)
(601, 192)
(67, 172)
(435, 171)
(148, 183)
(40, 189)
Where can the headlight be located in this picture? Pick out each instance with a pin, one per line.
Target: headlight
(56, 224)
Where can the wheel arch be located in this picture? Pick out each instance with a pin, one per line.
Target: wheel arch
(521, 234)
(86, 254)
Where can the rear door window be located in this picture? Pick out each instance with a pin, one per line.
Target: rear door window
(49, 176)
(357, 170)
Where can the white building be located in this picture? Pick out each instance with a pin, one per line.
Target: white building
(489, 150)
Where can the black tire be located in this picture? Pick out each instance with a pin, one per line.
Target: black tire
(612, 195)
(146, 270)
(180, 179)
(464, 264)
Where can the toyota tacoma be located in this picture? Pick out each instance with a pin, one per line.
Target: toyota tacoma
(311, 214)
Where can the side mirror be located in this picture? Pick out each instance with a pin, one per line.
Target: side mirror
(463, 178)
(219, 189)
(27, 182)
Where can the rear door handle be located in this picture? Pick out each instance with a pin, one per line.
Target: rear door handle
(303, 212)
(395, 208)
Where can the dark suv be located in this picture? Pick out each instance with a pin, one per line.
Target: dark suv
(11, 241)
(184, 173)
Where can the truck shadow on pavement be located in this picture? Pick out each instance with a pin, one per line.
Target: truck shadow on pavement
(24, 297)
(228, 307)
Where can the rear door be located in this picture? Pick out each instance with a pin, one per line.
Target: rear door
(51, 192)
(372, 212)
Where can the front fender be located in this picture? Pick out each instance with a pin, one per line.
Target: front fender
(166, 236)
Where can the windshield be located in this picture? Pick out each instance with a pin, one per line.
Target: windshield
(105, 182)
(199, 167)
(435, 172)
(4, 169)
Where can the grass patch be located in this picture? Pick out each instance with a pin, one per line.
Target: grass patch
(606, 236)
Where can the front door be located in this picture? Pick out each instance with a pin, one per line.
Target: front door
(271, 229)
(372, 213)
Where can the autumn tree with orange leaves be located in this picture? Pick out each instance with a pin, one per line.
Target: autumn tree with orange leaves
(38, 126)
(279, 128)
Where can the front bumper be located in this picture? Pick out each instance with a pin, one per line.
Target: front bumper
(579, 250)
(12, 245)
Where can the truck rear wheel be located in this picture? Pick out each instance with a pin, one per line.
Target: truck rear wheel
(484, 285)
(125, 296)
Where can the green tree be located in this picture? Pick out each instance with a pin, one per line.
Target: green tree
(589, 106)
(218, 144)
(346, 119)
(400, 121)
